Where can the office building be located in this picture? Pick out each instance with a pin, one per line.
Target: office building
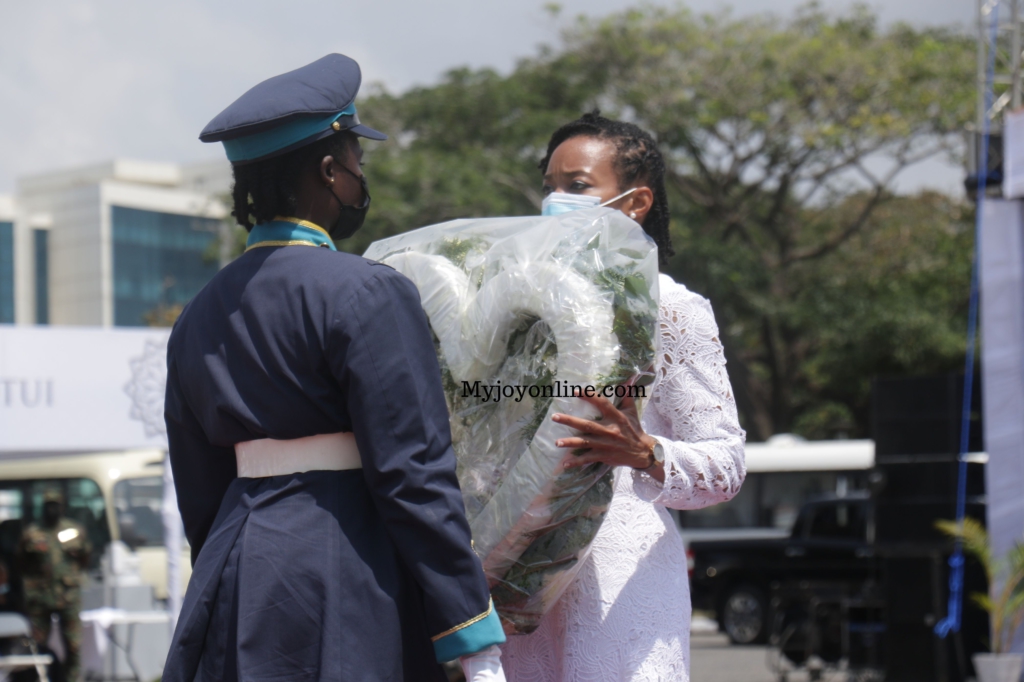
(110, 244)
(6, 260)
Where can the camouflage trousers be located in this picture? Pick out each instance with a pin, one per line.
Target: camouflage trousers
(70, 631)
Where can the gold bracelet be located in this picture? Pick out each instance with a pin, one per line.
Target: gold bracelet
(654, 460)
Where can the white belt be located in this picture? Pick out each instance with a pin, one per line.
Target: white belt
(268, 457)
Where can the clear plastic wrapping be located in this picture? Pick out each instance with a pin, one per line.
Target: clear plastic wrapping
(524, 310)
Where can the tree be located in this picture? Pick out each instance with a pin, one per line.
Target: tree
(891, 302)
(163, 315)
(468, 147)
(785, 139)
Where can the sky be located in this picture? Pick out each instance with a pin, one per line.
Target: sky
(83, 82)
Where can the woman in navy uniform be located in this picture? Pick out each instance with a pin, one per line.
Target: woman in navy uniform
(307, 428)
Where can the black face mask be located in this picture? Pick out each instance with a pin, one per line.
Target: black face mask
(352, 217)
(51, 514)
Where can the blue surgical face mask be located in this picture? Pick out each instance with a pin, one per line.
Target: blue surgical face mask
(558, 203)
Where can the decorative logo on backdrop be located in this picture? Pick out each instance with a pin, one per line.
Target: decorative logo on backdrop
(146, 388)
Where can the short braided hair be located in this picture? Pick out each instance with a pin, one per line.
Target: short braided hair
(265, 189)
(637, 160)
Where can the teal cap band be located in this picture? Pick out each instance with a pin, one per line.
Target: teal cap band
(289, 134)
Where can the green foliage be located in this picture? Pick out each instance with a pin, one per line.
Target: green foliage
(805, 342)
(163, 315)
(230, 243)
(575, 523)
(771, 125)
(1005, 578)
(784, 138)
(468, 147)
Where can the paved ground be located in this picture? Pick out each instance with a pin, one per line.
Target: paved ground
(714, 659)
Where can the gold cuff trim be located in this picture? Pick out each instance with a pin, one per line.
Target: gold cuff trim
(477, 619)
(304, 223)
(289, 242)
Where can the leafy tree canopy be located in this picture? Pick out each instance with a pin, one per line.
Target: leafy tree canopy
(785, 138)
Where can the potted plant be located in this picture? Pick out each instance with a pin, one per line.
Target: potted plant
(1005, 605)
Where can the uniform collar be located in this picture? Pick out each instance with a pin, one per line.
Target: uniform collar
(285, 231)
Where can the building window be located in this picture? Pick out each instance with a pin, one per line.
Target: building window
(21, 503)
(139, 506)
(6, 273)
(41, 239)
(161, 260)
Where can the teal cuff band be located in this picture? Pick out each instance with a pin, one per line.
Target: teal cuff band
(470, 639)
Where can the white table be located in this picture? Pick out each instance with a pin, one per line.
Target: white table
(98, 632)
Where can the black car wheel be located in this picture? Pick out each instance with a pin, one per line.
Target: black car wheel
(744, 615)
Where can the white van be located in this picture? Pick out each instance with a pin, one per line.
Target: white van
(115, 495)
(782, 474)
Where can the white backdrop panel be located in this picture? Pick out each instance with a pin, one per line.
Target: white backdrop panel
(1013, 154)
(81, 388)
(1002, 336)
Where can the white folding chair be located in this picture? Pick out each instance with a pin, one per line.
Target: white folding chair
(14, 625)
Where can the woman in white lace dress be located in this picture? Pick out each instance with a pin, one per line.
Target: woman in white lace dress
(627, 615)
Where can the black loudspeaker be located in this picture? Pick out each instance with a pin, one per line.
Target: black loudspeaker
(925, 478)
(865, 630)
(915, 654)
(994, 165)
(912, 523)
(914, 604)
(916, 425)
(916, 587)
(922, 415)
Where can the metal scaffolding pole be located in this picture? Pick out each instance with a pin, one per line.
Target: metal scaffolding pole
(1004, 48)
(1015, 54)
(1007, 76)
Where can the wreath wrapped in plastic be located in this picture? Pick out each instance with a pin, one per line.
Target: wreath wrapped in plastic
(524, 311)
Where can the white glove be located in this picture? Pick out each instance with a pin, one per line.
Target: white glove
(483, 666)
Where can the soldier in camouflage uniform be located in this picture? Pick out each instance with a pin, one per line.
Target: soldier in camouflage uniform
(54, 553)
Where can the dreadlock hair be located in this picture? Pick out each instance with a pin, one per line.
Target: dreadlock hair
(265, 189)
(637, 160)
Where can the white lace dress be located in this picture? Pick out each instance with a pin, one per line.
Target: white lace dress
(627, 615)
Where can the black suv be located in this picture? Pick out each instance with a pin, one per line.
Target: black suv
(832, 540)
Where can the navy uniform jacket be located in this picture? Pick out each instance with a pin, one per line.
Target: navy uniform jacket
(343, 575)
